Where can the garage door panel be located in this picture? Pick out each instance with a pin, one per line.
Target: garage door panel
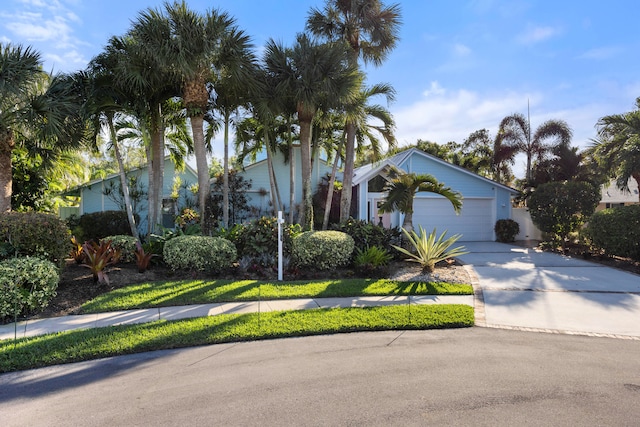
(475, 221)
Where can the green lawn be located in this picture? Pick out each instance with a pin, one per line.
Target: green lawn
(185, 292)
(67, 347)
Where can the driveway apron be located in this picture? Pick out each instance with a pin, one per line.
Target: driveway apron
(529, 289)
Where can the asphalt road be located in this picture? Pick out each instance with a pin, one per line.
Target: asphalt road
(476, 376)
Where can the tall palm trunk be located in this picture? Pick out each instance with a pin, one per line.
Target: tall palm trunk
(292, 174)
(197, 122)
(225, 173)
(156, 173)
(332, 180)
(347, 179)
(276, 200)
(306, 216)
(636, 176)
(7, 144)
(123, 179)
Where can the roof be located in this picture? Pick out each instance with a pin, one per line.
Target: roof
(366, 172)
(612, 194)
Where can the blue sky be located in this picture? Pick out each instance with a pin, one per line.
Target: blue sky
(460, 65)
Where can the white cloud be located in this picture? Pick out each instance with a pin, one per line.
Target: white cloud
(461, 50)
(602, 53)
(534, 35)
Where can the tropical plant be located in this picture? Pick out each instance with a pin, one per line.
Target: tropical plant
(318, 76)
(99, 256)
(76, 253)
(401, 191)
(371, 30)
(372, 260)
(506, 230)
(366, 234)
(26, 284)
(125, 244)
(560, 208)
(40, 112)
(514, 136)
(143, 258)
(617, 149)
(430, 248)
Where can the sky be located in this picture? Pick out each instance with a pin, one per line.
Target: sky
(459, 66)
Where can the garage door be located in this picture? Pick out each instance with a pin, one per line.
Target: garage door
(475, 221)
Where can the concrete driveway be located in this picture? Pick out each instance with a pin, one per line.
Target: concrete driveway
(524, 288)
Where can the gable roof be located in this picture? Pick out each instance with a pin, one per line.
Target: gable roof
(367, 172)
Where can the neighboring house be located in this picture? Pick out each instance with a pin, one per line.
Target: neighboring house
(94, 195)
(259, 197)
(612, 196)
(484, 201)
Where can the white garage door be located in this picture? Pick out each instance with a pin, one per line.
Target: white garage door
(475, 221)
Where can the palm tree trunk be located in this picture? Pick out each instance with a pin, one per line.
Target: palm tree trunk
(347, 179)
(636, 176)
(123, 180)
(306, 217)
(292, 175)
(225, 173)
(6, 179)
(200, 152)
(276, 200)
(332, 180)
(407, 224)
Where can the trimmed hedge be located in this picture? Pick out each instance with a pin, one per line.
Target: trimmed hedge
(34, 234)
(322, 250)
(506, 230)
(616, 231)
(202, 253)
(98, 225)
(26, 285)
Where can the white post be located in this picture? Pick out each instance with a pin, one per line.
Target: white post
(280, 222)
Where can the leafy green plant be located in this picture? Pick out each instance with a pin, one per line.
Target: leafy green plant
(372, 260)
(322, 250)
(125, 244)
(202, 253)
(36, 235)
(99, 256)
(616, 231)
(98, 225)
(143, 258)
(506, 230)
(76, 253)
(260, 237)
(26, 284)
(366, 234)
(430, 248)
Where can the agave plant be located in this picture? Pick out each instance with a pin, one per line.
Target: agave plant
(430, 248)
(98, 257)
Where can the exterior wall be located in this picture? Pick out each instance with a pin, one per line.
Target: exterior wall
(528, 231)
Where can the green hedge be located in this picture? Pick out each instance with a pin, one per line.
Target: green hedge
(97, 225)
(34, 234)
(322, 250)
(202, 253)
(26, 285)
(616, 231)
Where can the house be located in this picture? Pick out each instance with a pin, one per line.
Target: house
(612, 196)
(104, 194)
(484, 201)
(259, 196)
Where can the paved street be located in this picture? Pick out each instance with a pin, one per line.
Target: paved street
(475, 376)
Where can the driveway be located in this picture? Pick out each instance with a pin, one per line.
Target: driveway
(524, 288)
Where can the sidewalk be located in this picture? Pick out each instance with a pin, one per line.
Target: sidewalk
(34, 327)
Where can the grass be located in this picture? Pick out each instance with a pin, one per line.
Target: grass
(75, 346)
(185, 292)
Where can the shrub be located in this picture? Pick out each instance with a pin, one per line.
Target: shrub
(430, 248)
(260, 237)
(125, 244)
(506, 230)
(26, 284)
(202, 253)
(97, 225)
(36, 235)
(366, 234)
(616, 231)
(561, 208)
(372, 261)
(323, 250)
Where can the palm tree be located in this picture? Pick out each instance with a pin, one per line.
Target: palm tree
(46, 113)
(514, 135)
(402, 189)
(617, 149)
(371, 31)
(317, 76)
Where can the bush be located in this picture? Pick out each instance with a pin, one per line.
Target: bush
(616, 231)
(322, 250)
(34, 234)
(372, 261)
(26, 284)
(260, 237)
(125, 244)
(98, 225)
(366, 234)
(202, 253)
(560, 208)
(506, 230)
